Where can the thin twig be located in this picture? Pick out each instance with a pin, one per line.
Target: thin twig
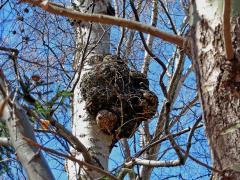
(200, 162)
(169, 17)
(227, 30)
(164, 139)
(118, 52)
(170, 163)
(51, 151)
(163, 87)
(189, 141)
(104, 19)
(63, 132)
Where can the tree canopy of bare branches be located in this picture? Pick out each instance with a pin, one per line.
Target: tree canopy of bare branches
(102, 89)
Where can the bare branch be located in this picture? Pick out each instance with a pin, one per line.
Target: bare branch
(145, 133)
(189, 141)
(18, 125)
(153, 163)
(163, 87)
(104, 19)
(227, 30)
(171, 163)
(162, 140)
(172, 92)
(51, 151)
(184, 110)
(169, 17)
(170, 136)
(200, 162)
(126, 149)
(9, 49)
(72, 140)
(130, 38)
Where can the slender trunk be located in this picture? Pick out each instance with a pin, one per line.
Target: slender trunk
(92, 40)
(19, 127)
(173, 90)
(145, 172)
(150, 38)
(218, 82)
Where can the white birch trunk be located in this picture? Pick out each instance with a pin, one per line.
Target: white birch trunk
(218, 81)
(84, 126)
(145, 172)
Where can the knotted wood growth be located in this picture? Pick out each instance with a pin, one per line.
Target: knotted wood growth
(118, 97)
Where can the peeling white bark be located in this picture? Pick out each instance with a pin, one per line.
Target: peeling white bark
(217, 82)
(84, 126)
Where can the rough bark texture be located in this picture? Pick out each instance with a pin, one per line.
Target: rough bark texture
(218, 83)
(91, 40)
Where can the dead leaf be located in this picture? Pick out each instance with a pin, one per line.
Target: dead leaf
(44, 123)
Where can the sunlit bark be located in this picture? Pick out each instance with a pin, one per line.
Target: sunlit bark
(91, 40)
(218, 81)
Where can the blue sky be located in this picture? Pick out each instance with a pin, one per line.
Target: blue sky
(23, 29)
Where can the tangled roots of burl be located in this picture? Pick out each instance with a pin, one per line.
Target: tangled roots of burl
(119, 98)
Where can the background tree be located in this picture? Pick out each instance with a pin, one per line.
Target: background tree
(44, 86)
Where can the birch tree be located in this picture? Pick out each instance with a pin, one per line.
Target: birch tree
(207, 34)
(216, 58)
(92, 41)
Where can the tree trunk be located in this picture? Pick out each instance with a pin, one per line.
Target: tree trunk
(145, 172)
(19, 127)
(218, 81)
(92, 41)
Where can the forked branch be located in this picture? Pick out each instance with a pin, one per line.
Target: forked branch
(56, 153)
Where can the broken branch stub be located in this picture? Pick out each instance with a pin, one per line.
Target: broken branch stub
(118, 97)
